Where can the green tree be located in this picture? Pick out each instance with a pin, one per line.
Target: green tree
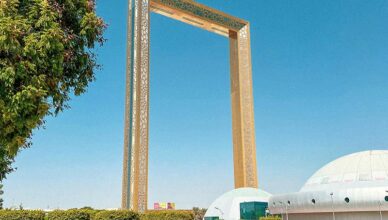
(199, 213)
(1, 194)
(46, 55)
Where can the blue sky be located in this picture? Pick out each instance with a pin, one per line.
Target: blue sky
(320, 71)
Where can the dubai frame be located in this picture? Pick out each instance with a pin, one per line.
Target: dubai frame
(135, 171)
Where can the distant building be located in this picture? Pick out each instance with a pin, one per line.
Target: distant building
(352, 187)
(164, 206)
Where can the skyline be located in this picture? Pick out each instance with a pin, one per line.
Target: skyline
(293, 67)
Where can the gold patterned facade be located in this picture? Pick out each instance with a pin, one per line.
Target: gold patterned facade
(135, 167)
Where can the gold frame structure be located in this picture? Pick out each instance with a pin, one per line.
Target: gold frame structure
(135, 168)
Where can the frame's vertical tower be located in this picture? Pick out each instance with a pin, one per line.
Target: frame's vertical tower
(244, 147)
(135, 172)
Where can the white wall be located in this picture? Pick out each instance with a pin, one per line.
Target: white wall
(338, 216)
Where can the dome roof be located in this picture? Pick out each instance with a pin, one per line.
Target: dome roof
(354, 183)
(368, 168)
(227, 206)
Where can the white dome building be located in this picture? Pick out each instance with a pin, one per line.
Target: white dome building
(232, 204)
(352, 187)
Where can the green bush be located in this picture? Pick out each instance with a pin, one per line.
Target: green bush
(116, 215)
(72, 214)
(271, 218)
(168, 215)
(90, 214)
(21, 215)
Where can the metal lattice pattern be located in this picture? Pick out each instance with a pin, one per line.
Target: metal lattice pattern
(247, 104)
(135, 175)
(193, 9)
(144, 107)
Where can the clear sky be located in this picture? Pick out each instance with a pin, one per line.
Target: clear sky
(320, 71)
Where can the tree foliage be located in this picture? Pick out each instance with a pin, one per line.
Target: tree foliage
(199, 213)
(45, 56)
(167, 215)
(22, 215)
(1, 194)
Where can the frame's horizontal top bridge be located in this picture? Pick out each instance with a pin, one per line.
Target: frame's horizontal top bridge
(198, 15)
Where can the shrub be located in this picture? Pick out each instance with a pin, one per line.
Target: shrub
(92, 212)
(199, 213)
(72, 214)
(21, 215)
(116, 215)
(271, 218)
(168, 215)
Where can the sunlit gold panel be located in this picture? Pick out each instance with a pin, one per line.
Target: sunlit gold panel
(135, 171)
(198, 15)
(243, 126)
